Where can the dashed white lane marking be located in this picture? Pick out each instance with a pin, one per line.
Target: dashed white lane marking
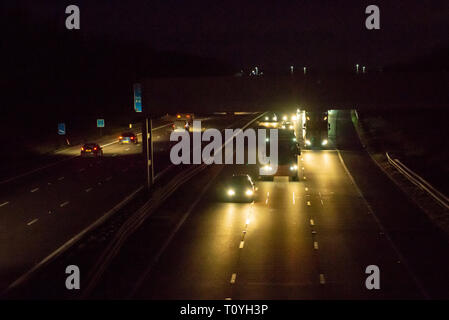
(242, 243)
(88, 189)
(315, 245)
(322, 203)
(32, 221)
(312, 223)
(64, 204)
(4, 203)
(322, 279)
(60, 178)
(228, 299)
(308, 203)
(34, 190)
(293, 197)
(233, 277)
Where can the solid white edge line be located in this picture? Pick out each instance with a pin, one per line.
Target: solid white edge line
(381, 227)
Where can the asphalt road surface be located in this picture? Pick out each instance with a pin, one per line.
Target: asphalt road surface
(311, 239)
(42, 210)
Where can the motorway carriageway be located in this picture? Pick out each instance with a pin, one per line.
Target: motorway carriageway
(42, 210)
(311, 239)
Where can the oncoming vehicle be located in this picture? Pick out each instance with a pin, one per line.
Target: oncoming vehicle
(128, 137)
(288, 151)
(269, 120)
(91, 150)
(239, 187)
(316, 130)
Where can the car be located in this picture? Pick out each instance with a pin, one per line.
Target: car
(269, 120)
(128, 137)
(239, 188)
(91, 150)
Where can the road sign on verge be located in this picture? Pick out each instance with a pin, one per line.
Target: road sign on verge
(100, 123)
(137, 97)
(61, 129)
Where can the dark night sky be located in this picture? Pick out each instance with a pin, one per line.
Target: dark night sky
(268, 34)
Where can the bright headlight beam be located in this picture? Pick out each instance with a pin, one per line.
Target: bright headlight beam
(231, 192)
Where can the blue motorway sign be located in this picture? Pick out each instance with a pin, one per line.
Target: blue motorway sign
(61, 129)
(137, 97)
(100, 123)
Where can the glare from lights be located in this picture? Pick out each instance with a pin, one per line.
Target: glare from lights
(231, 192)
(249, 192)
(308, 142)
(324, 142)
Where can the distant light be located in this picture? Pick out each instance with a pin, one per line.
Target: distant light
(308, 142)
(231, 192)
(294, 118)
(284, 118)
(249, 192)
(324, 142)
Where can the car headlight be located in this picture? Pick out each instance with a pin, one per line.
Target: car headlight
(275, 119)
(293, 167)
(249, 192)
(266, 118)
(324, 142)
(267, 168)
(284, 118)
(231, 192)
(308, 142)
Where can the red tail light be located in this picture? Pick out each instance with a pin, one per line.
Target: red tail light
(120, 137)
(95, 148)
(132, 138)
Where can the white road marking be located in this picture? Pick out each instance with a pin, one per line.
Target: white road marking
(322, 279)
(322, 203)
(242, 243)
(34, 190)
(293, 197)
(88, 189)
(312, 223)
(32, 221)
(4, 203)
(64, 204)
(234, 275)
(61, 178)
(228, 299)
(315, 245)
